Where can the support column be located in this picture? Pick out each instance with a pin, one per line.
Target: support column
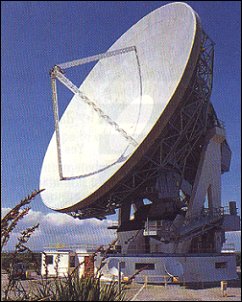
(124, 214)
(208, 177)
(138, 204)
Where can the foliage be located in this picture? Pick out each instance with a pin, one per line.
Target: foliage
(11, 219)
(8, 224)
(76, 288)
(72, 287)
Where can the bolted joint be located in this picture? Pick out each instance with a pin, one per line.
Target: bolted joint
(53, 71)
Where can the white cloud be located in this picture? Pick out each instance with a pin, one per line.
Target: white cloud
(58, 219)
(4, 211)
(57, 228)
(33, 217)
(62, 229)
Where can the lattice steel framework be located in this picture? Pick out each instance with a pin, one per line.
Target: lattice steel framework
(177, 148)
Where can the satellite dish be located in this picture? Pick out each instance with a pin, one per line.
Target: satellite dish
(173, 268)
(138, 90)
(141, 125)
(113, 266)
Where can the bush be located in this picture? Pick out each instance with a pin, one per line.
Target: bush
(71, 288)
(75, 288)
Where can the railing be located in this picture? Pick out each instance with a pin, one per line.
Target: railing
(205, 213)
(228, 248)
(152, 229)
(162, 279)
(113, 225)
(85, 247)
(145, 285)
(206, 217)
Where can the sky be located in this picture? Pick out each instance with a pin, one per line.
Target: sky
(36, 35)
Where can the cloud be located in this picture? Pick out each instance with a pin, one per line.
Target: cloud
(61, 229)
(58, 219)
(4, 211)
(33, 217)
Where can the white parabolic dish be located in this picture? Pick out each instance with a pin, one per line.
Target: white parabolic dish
(94, 155)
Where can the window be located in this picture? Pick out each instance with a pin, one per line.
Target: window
(72, 261)
(220, 264)
(49, 259)
(145, 266)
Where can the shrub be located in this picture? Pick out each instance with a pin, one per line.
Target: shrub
(70, 288)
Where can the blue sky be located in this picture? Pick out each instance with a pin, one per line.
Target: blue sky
(37, 35)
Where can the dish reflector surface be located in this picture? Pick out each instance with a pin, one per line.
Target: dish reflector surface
(134, 93)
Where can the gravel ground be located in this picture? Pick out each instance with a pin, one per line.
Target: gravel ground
(162, 293)
(132, 290)
(178, 293)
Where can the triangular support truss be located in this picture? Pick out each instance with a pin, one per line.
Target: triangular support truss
(57, 73)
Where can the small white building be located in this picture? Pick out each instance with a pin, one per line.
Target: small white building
(62, 262)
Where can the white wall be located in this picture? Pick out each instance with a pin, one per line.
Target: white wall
(63, 264)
